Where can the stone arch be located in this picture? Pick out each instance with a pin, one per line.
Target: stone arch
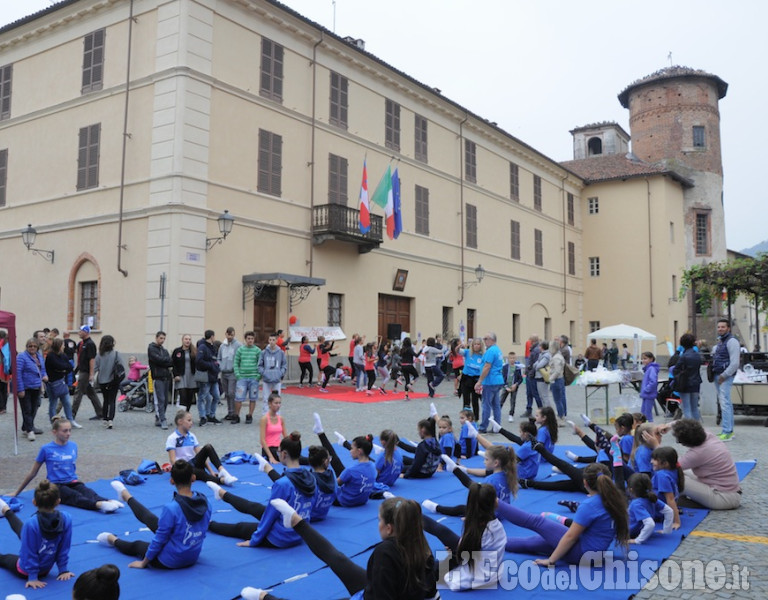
(594, 146)
(83, 266)
(540, 321)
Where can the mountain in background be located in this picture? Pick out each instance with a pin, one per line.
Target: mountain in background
(756, 249)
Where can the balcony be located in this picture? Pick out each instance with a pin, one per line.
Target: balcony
(341, 223)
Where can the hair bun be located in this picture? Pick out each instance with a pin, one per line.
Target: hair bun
(108, 572)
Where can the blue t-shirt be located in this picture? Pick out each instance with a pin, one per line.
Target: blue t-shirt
(473, 363)
(598, 525)
(543, 436)
(448, 444)
(643, 460)
(463, 442)
(499, 481)
(389, 472)
(356, 484)
(60, 461)
(625, 443)
(640, 509)
(664, 481)
(493, 357)
(528, 462)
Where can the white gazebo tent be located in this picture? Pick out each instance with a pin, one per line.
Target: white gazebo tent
(625, 332)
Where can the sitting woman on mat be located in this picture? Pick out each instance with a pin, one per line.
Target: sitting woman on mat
(297, 486)
(389, 464)
(272, 428)
(60, 458)
(600, 519)
(426, 455)
(182, 444)
(500, 461)
(401, 566)
(482, 534)
(45, 538)
(356, 482)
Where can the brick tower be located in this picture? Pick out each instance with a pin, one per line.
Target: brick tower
(674, 120)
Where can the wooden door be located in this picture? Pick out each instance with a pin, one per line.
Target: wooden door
(265, 315)
(394, 309)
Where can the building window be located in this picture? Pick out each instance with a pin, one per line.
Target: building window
(334, 310)
(569, 209)
(6, 77)
(337, 180)
(392, 125)
(447, 330)
(89, 303)
(671, 232)
(339, 100)
(3, 175)
(594, 326)
(420, 137)
(271, 70)
(471, 316)
(470, 161)
(674, 288)
(702, 234)
(88, 157)
(515, 239)
(571, 258)
(537, 192)
(594, 266)
(515, 328)
(471, 226)
(93, 61)
(514, 182)
(422, 210)
(270, 162)
(698, 137)
(538, 247)
(594, 206)
(594, 146)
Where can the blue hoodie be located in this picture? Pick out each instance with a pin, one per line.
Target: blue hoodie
(45, 541)
(648, 389)
(425, 460)
(297, 487)
(326, 493)
(180, 531)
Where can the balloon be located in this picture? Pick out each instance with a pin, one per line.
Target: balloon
(292, 320)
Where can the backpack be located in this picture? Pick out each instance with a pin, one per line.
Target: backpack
(570, 374)
(118, 369)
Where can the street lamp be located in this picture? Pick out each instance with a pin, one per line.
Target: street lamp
(479, 275)
(28, 236)
(225, 223)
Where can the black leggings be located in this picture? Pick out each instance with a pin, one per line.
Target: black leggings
(187, 397)
(447, 537)
(109, 394)
(206, 453)
(329, 372)
(408, 372)
(461, 509)
(371, 378)
(242, 530)
(306, 367)
(79, 495)
(468, 394)
(9, 561)
(336, 463)
(139, 548)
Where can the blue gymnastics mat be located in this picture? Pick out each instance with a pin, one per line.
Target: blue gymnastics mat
(224, 569)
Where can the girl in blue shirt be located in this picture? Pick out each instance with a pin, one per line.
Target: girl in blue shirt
(640, 457)
(645, 509)
(600, 519)
(448, 444)
(546, 432)
(473, 366)
(500, 471)
(668, 478)
(468, 435)
(389, 465)
(45, 539)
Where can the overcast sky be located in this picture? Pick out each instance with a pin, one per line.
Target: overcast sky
(542, 67)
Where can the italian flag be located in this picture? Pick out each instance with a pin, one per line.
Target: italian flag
(365, 209)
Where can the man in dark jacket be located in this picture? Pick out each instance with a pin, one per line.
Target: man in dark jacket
(207, 377)
(86, 362)
(159, 364)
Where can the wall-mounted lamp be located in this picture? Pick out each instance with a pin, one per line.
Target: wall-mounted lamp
(479, 275)
(225, 222)
(28, 236)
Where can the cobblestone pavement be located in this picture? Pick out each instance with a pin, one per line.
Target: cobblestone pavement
(105, 452)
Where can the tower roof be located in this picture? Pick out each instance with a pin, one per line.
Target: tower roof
(676, 72)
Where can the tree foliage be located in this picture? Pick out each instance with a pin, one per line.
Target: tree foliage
(742, 276)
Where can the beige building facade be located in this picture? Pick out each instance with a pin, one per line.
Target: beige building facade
(132, 125)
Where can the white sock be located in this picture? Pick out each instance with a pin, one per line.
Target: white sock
(471, 431)
(388, 495)
(571, 455)
(450, 465)
(103, 538)
(318, 427)
(572, 425)
(251, 593)
(377, 449)
(119, 487)
(225, 477)
(217, 491)
(263, 462)
(3, 506)
(493, 426)
(430, 506)
(109, 506)
(586, 420)
(481, 453)
(432, 409)
(284, 509)
(556, 470)
(341, 439)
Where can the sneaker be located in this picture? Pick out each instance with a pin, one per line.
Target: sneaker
(95, 418)
(37, 431)
(527, 413)
(323, 390)
(234, 420)
(31, 436)
(300, 386)
(571, 505)
(203, 421)
(248, 419)
(511, 419)
(109, 424)
(214, 420)
(75, 424)
(726, 437)
(229, 417)
(163, 425)
(382, 391)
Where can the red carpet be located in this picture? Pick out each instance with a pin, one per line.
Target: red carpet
(346, 393)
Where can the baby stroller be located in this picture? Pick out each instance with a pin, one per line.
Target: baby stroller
(136, 394)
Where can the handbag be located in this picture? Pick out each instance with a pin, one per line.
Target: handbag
(118, 370)
(710, 373)
(201, 376)
(570, 374)
(544, 372)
